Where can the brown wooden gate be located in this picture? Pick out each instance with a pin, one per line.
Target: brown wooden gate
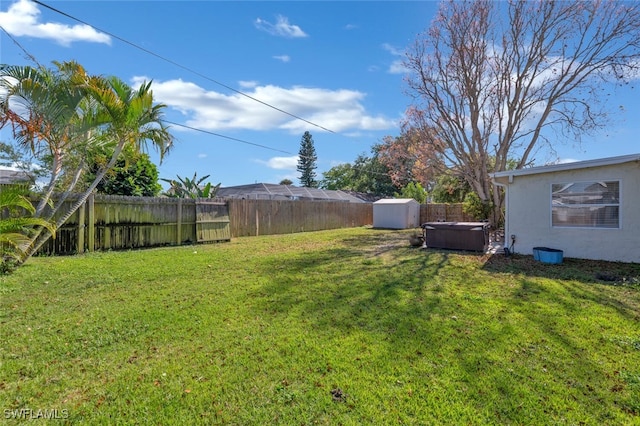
(212, 221)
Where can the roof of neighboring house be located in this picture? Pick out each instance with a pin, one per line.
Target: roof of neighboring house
(268, 191)
(568, 166)
(9, 176)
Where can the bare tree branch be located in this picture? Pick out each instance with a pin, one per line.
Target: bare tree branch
(494, 81)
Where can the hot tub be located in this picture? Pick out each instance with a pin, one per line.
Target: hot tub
(473, 236)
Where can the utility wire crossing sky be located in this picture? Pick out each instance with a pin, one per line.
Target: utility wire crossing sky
(243, 80)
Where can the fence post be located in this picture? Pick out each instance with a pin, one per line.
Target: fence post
(179, 222)
(257, 222)
(107, 229)
(80, 241)
(91, 224)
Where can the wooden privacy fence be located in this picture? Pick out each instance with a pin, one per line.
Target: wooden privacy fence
(268, 217)
(116, 222)
(444, 212)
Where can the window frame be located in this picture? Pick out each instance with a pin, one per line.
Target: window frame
(618, 204)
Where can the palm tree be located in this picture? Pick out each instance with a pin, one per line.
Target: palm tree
(127, 117)
(64, 113)
(191, 188)
(132, 119)
(50, 113)
(16, 227)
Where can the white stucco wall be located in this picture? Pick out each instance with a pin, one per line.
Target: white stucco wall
(529, 215)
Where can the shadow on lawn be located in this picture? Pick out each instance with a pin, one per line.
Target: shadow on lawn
(588, 271)
(450, 313)
(349, 287)
(582, 280)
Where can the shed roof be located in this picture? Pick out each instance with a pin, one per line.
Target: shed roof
(267, 191)
(396, 201)
(568, 166)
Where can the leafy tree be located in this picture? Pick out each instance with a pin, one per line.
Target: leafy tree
(340, 177)
(62, 114)
(133, 174)
(8, 154)
(499, 79)
(413, 190)
(286, 182)
(365, 175)
(50, 116)
(449, 188)
(414, 156)
(17, 225)
(307, 162)
(477, 208)
(191, 188)
(371, 176)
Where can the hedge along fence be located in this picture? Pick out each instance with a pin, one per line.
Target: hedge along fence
(118, 222)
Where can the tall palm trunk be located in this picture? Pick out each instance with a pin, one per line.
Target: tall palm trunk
(45, 234)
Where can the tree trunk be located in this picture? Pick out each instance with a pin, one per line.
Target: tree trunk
(45, 234)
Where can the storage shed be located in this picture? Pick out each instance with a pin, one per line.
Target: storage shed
(396, 213)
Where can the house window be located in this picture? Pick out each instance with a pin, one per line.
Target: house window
(586, 204)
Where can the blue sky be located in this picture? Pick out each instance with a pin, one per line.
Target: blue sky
(336, 64)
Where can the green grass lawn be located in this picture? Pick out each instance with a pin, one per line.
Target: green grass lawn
(336, 327)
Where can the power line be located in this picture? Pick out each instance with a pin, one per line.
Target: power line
(28, 55)
(32, 58)
(227, 137)
(179, 65)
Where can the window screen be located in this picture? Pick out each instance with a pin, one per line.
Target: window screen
(586, 204)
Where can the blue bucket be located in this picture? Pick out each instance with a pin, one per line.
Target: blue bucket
(548, 255)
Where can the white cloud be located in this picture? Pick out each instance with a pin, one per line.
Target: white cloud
(392, 49)
(634, 72)
(281, 163)
(350, 27)
(566, 160)
(248, 84)
(283, 58)
(13, 167)
(202, 155)
(397, 66)
(338, 110)
(22, 19)
(281, 28)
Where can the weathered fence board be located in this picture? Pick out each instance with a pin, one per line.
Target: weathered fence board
(444, 212)
(268, 217)
(212, 221)
(115, 222)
